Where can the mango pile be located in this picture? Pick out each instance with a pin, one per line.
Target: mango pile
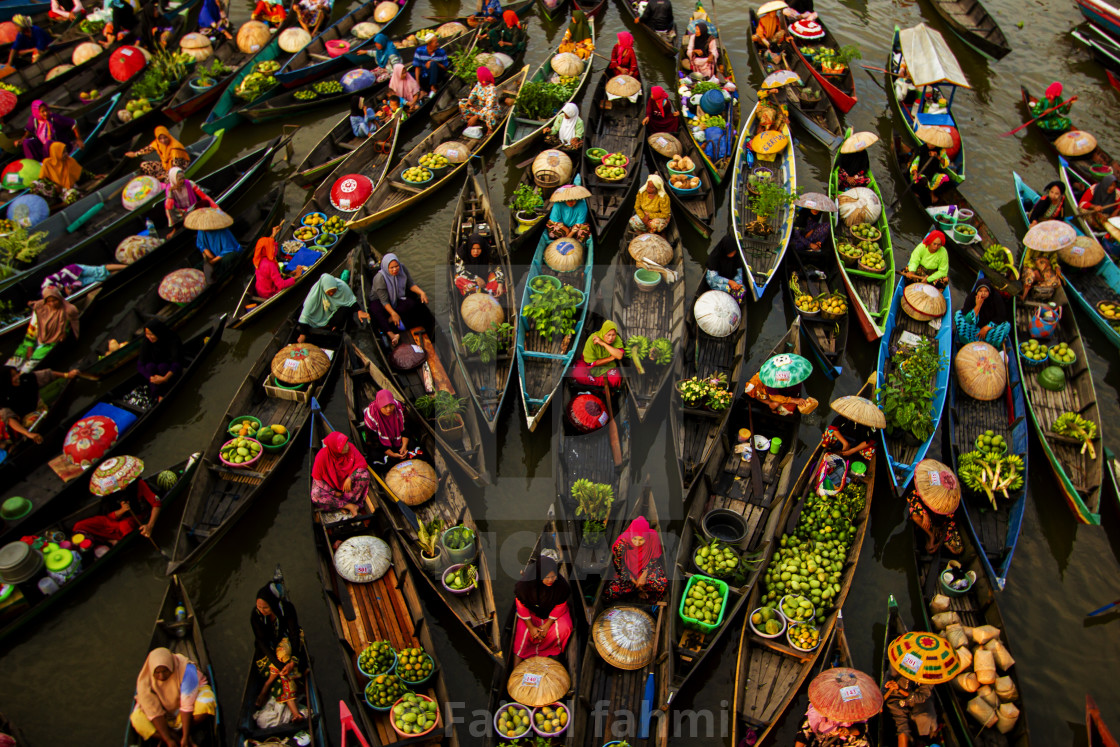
(416, 174)
(413, 664)
(550, 720)
(804, 636)
(272, 435)
(377, 657)
(1033, 350)
(766, 620)
(513, 720)
(414, 714)
(716, 558)
(807, 303)
(1062, 354)
(433, 161)
(704, 602)
(383, 690)
(241, 450)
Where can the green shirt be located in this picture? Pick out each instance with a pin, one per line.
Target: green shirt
(934, 263)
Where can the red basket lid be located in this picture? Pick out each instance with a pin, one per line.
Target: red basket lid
(337, 47)
(126, 62)
(350, 192)
(587, 413)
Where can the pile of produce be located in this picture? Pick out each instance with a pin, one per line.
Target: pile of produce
(7, 226)
(413, 664)
(615, 159)
(539, 100)
(416, 174)
(835, 305)
(90, 27)
(711, 392)
(272, 435)
(804, 636)
(1072, 425)
(681, 163)
(90, 95)
(639, 348)
(306, 94)
(433, 161)
(568, 81)
(135, 108)
(806, 303)
(551, 310)
(989, 468)
(1033, 350)
(767, 621)
(551, 720)
(458, 538)
(513, 720)
(9, 87)
(704, 86)
(327, 87)
(796, 608)
(704, 601)
(967, 231)
(873, 260)
(415, 714)
(246, 428)
(759, 177)
(610, 173)
(377, 657)
(717, 559)
(596, 153)
(464, 577)
(240, 450)
(313, 219)
(1109, 309)
(257, 82)
(704, 121)
(306, 233)
(999, 258)
(680, 181)
(1062, 354)
(325, 239)
(384, 690)
(868, 237)
(334, 224)
(906, 398)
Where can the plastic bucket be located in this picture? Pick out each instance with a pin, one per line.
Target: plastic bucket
(724, 525)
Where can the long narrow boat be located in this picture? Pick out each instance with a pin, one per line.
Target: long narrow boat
(635, 699)
(60, 486)
(952, 202)
(307, 695)
(727, 485)
(32, 81)
(869, 293)
(371, 160)
(994, 528)
(615, 125)
(761, 252)
(769, 672)
(695, 430)
(1104, 48)
(387, 609)
(66, 97)
(666, 42)
(487, 381)
(393, 195)
(731, 113)
(902, 451)
(1099, 12)
(553, 9)
(23, 454)
(591, 8)
(543, 361)
(841, 88)
(476, 611)
(221, 493)
(828, 338)
(932, 68)
(1091, 166)
(974, 25)
(1088, 288)
(183, 636)
(521, 134)
(1075, 189)
(698, 208)
(1096, 729)
(19, 610)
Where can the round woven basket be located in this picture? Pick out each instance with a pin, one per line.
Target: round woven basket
(413, 481)
(538, 681)
(567, 64)
(922, 302)
(480, 310)
(624, 637)
(1084, 253)
(665, 144)
(564, 255)
(980, 371)
(454, 151)
(551, 168)
(651, 247)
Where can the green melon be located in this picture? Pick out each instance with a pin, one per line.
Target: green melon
(166, 480)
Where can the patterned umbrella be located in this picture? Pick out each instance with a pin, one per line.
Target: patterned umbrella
(300, 363)
(816, 201)
(787, 369)
(936, 135)
(1049, 236)
(182, 286)
(350, 192)
(780, 78)
(138, 190)
(89, 439)
(845, 695)
(924, 658)
(28, 210)
(807, 30)
(115, 473)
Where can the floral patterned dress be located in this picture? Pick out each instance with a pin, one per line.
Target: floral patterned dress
(482, 102)
(623, 586)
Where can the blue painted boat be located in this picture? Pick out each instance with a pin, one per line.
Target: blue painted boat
(899, 329)
(542, 361)
(994, 530)
(1087, 288)
(10, 8)
(1103, 14)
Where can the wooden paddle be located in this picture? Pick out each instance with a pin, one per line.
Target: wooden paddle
(1040, 116)
(1086, 213)
(612, 427)
(1107, 608)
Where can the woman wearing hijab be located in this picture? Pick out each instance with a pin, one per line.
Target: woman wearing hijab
(30, 39)
(1057, 121)
(703, 52)
(1051, 205)
(182, 196)
(60, 13)
(363, 119)
(161, 357)
(623, 59)
(172, 155)
(340, 476)
(544, 621)
(212, 17)
(814, 233)
(431, 64)
(724, 270)
(577, 37)
(52, 317)
(270, 279)
(784, 401)
(474, 272)
(566, 131)
(929, 262)
(172, 695)
(601, 356)
(45, 127)
(508, 37)
(405, 86)
(651, 207)
(569, 217)
(20, 404)
(930, 168)
(983, 317)
(824, 732)
(660, 114)
(853, 165)
(311, 14)
(385, 56)
(327, 306)
(59, 175)
(638, 568)
(1100, 202)
(384, 418)
(278, 643)
(658, 15)
(481, 105)
(850, 439)
(396, 301)
(134, 506)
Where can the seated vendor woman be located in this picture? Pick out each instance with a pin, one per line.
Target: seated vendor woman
(929, 171)
(935, 517)
(161, 357)
(703, 52)
(52, 319)
(660, 114)
(929, 262)
(639, 570)
(131, 506)
(481, 108)
(508, 37)
(1051, 204)
(172, 697)
(1056, 120)
(850, 439)
(59, 175)
(340, 476)
(852, 163)
(1101, 201)
(270, 278)
(813, 231)
(328, 306)
(651, 207)
(569, 217)
(817, 729)
(278, 646)
(601, 355)
(912, 709)
(724, 271)
(1040, 272)
(172, 154)
(577, 37)
(20, 403)
(984, 316)
(790, 370)
(544, 622)
(384, 419)
(397, 303)
(624, 61)
(473, 270)
(566, 130)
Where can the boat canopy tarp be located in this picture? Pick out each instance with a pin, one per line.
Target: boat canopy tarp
(929, 59)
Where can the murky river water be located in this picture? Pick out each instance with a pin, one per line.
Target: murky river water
(70, 681)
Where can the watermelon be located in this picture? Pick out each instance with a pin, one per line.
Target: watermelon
(166, 480)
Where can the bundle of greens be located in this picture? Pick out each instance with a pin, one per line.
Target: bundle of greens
(1072, 425)
(486, 344)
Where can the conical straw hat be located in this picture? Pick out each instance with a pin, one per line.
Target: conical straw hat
(935, 135)
(623, 85)
(623, 636)
(771, 6)
(845, 695)
(300, 363)
(1075, 143)
(922, 302)
(413, 481)
(570, 192)
(665, 144)
(538, 681)
(207, 219)
(859, 141)
(937, 486)
(1084, 252)
(981, 371)
(650, 246)
(816, 201)
(860, 410)
(1049, 236)
(115, 473)
(924, 658)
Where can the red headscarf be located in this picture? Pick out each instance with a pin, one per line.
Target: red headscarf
(658, 95)
(626, 39)
(485, 77)
(511, 19)
(1053, 90)
(336, 461)
(637, 559)
(265, 249)
(932, 236)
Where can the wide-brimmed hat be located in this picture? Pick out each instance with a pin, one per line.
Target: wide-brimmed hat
(300, 363)
(624, 86)
(1049, 236)
(860, 410)
(1085, 251)
(845, 695)
(924, 658)
(570, 192)
(816, 201)
(937, 487)
(935, 135)
(786, 369)
(208, 219)
(771, 6)
(1075, 143)
(859, 141)
(115, 473)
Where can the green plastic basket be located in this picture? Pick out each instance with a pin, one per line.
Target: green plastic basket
(703, 627)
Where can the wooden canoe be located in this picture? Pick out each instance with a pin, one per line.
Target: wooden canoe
(222, 494)
(1095, 727)
(553, 9)
(24, 455)
(131, 408)
(666, 42)
(818, 274)
(1104, 48)
(694, 430)
(972, 252)
(394, 195)
(901, 454)
(182, 637)
(635, 701)
(769, 672)
(19, 610)
(994, 529)
(699, 209)
(371, 160)
(869, 293)
(974, 25)
(531, 234)
(591, 8)
(489, 381)
(841, 89)
(1087, 288)
(761, 254)
(616, 127)
(731, 114)
(1090, 167)
(476, 611)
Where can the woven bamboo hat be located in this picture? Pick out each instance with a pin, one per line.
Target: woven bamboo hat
(300, 363)
(922, 302)
(1084, 252)
(937, 486)
(566, 64)
(980, 371)
(1049, 236)
(1075, 143)
(207, 219)
(860, 410)
(413, 481)
(816, 201)
(538, 681)
(570, 192)
(623, 85)
(935, 135)
(623, 636)
(650, 246)
(664, 144)
(845, 695)
(924, 658)
(859, 141)
(454, 151)
(771, 6)
(385, 11)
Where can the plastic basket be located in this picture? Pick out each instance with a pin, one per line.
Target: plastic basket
(1030, 362)
(551, 734)
(231, 430)
(524, 709)
(1050, 359)
(421, 682)
(689, 191)
(247, 463)
(304, 219)
(699, 625)
(278, 447)
(392, 667)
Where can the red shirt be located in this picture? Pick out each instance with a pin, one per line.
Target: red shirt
(269, 280)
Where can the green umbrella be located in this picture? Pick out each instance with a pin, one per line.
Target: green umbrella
(787, 369)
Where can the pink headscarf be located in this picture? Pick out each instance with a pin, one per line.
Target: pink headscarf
(1054, 89)
(626, 39)
(335, 462)
(44, 129)
(637, 559)
(659, 96)
(388, 428)
(403, 84)
(485, 77)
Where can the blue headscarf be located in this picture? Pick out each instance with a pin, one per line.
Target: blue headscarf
(388, 50)
(220, 242)
(318, 307)
(210, 14)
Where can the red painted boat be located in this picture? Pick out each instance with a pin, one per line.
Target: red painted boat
(841, 89)
(1097, 731)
